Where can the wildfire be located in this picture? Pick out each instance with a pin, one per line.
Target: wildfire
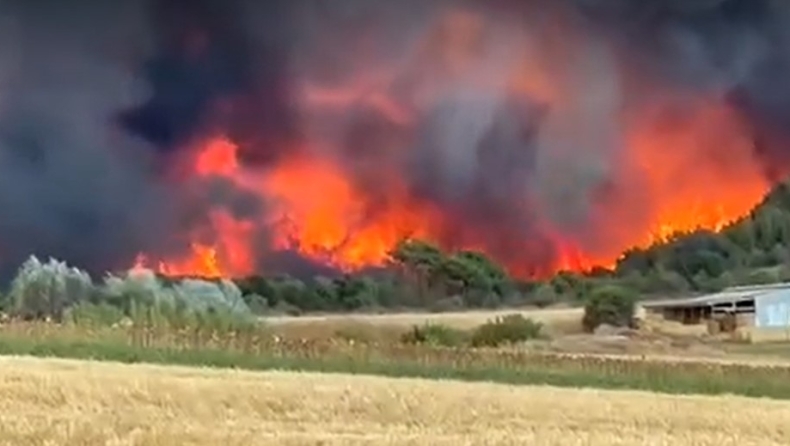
(313, 208)
(323, 215)
(682, 171)
(707, 179)
(316, 210)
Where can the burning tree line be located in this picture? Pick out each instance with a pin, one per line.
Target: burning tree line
(753, 249)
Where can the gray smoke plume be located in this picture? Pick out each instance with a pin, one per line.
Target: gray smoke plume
(72, 184)
(98, 100)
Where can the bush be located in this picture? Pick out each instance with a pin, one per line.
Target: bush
(506, 330)
(42, 290)
(435, 335)
(610, 305)
(543, 296)
(145, 290)
(762, 276)
(85, 314)
(137, 288)
(202, 296)
(256, 303)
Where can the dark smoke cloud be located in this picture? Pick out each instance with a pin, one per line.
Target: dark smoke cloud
(72, 185)
(739, 49)
(205, 59)
(80, 122)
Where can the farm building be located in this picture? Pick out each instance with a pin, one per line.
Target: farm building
(758, 313)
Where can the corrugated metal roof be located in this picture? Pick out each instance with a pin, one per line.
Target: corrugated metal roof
(733, 294)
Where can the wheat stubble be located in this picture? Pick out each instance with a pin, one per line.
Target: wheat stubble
(61, 402)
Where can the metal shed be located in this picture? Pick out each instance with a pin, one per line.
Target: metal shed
(761, 312)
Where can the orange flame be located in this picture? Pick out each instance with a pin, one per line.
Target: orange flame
(699, 170)
(324, 216)
(692, 169)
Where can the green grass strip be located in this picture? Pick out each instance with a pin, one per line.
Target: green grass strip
(680, 383)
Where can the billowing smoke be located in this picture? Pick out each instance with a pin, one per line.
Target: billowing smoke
(523, 124)
(74, 184)
(738, 50)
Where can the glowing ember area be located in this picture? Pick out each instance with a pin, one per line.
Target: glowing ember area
(565, 181)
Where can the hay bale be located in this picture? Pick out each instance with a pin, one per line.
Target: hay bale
(729, 323)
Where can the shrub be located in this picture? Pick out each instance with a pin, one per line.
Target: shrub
(86, 314)
(506, 330)
(762, 276)
(143, 288)
(256, 303)
(544, 296)
(201, 295)
(136, 288)
(5, 303)
(42, 290)
(435, 335)
(610, 305)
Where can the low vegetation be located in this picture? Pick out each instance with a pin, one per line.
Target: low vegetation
(510, 329)
(422, 354)
(435, 335)
(53, 291)
(137, 317)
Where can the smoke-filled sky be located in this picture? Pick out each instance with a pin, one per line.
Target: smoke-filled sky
(524, 125)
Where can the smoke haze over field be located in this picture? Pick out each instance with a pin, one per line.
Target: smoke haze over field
(240, 136)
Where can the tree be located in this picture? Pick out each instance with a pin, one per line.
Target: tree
(420, 261)
(42, 290)
(612, 305)
(489, 274)
(470, 280)
(572, 285)
(356, 292)
(543, 296)
(417, 254)
(258, 285)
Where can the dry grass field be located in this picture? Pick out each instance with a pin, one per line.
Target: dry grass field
(665, 340)
(558, 320)
(59, 402)
(459, 319)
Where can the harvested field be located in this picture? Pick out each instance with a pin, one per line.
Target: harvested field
(71, 402)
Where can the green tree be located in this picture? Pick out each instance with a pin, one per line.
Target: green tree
(571, 285)
(419, 261)
(610, 305)
(356, 292)
(543, 296)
